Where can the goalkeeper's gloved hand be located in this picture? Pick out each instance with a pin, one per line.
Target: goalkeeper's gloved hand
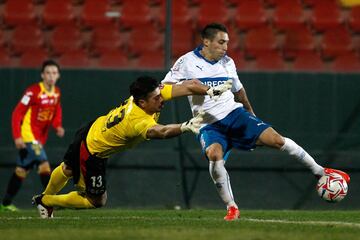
(193, 124)
(215, 92)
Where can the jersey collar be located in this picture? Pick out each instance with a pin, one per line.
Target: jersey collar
(197, 53)
(43, 89)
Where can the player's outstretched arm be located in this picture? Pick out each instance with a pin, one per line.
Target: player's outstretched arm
(172, 130)
(195, 87)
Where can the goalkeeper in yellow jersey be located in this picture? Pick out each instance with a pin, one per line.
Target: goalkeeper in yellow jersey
(134, 121)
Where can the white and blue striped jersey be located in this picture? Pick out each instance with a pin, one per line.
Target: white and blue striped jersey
(193, 65)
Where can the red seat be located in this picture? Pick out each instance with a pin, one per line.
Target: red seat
(106, 38)
(270, 61)
(65, 38)
(33, 58)
(308, 61)
(18, 12)
(114, 59)
(135, 13)
(234, 43)
(240, 61)
(259, 40)
(212, 11)
(336, 42)
(181, 14)
(74, 59)
(354, 19)
(326, 15)
(346, 63)
(182, 40)
(58, 12)
(144, 39)
(250, 14)
(297, 40)
(288, 15)
(5, 59)
(26, 37)
(97, 13)
(309, 3)
(151, 60)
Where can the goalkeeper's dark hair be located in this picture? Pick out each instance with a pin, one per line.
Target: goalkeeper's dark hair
(49, 62)
(210, 30)
(142, 86)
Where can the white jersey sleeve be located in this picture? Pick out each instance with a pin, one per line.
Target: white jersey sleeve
(177, 73)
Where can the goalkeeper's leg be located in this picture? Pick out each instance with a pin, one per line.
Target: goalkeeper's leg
(58, 179)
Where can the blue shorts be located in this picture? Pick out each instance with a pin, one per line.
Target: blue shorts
(35, 155)
(239, 129)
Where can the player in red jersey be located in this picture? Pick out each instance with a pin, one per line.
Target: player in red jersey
(38, 110)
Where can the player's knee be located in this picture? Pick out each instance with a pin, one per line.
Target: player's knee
(278, 141)
(21, 172)
(214, 152)
(44, 168)
(98, 201)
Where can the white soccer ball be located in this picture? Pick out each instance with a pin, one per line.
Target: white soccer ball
(332, 187)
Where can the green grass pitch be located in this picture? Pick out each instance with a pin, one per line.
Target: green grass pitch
(180, 224)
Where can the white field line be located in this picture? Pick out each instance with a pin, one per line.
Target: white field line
(243, 219)
(322, 223)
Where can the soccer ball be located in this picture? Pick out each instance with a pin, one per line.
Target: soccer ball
(332, 187)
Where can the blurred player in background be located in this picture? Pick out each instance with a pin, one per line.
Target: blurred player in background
(37, 111)
(134, 121)
(229, 122)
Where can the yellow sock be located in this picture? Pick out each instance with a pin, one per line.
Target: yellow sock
(70, 200)
(57, 181)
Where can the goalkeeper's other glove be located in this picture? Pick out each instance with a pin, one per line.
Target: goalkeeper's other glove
(193, 124)
(215, 92)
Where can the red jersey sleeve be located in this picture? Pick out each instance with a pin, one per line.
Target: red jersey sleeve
(57, 120)
(20, 111)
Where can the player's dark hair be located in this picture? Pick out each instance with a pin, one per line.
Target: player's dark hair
(210, 30)
(142, 86)
(49, 63)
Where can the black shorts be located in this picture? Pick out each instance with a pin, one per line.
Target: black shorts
(93, 168)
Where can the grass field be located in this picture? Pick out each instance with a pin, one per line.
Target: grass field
(181, 224)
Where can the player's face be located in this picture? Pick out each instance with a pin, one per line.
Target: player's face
(217, 47)
(154, 103)
(50, 75)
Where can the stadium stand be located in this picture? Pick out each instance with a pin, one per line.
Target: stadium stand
(346, 63)
(65, 38)
(114, 59)
(288, 15)
(75, 58)
(250, 14)
(258, 41)
(297, 40)
(33, 58)
(25, 38)
(58, 12)
(17, 12)
(258, 29)
(308, 61)
(326, 14)
(336, 42)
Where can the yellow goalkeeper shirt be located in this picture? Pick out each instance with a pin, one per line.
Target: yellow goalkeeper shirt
(122, 128)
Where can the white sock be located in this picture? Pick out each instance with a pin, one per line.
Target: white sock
(221, 180)
(300, 154)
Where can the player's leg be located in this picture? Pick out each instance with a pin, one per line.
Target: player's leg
(210, 139)
(58, 179)
(44, 172)
(13, 188)
(269, 137)
(25, 161)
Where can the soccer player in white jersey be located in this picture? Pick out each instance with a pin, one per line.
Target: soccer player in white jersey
(230, 122)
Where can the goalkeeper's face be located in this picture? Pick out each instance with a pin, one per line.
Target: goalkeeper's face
(154, 102)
